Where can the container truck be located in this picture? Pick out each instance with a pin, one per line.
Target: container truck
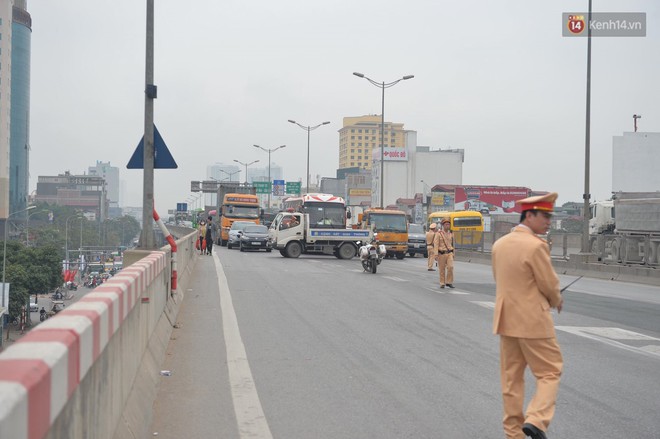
(627, 228)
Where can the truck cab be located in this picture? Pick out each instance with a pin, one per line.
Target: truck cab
(392, 229)
(601, 218)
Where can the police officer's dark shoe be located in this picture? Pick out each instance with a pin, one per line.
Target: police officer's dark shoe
(450, 286)
(533, 432)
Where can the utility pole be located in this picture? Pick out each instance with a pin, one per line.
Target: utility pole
(147, 236)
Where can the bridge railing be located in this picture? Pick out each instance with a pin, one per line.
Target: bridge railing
(91, 371)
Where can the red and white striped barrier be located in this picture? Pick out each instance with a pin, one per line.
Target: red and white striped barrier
(172, 243)
(40, 372)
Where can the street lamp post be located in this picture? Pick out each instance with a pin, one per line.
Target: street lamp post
(269, 151)
(382, 85)
(246, 166)
(586, 248)
(66, 240)
(229, 173)
(308, 128)
(27, 227)
(4, 254)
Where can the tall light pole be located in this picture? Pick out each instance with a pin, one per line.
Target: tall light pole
(66, 240)
(270, 182)
(27, 227)
(382, 85)
(246, 166)
(308, 128)
(147, 236)
(228, 173)
(586, 248)
(4, 253)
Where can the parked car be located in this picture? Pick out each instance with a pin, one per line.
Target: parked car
(255, 237)
(34, 307)
(235, 232)
(416, 240)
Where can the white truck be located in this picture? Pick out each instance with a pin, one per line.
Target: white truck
(291, 234)
(627, 228)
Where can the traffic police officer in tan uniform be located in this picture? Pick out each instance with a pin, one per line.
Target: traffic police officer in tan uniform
(527, 288)
(430, 248)
(444, 245)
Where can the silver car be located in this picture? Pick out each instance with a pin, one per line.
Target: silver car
(236, 231)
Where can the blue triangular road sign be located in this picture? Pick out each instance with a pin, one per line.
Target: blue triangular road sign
(162, 157)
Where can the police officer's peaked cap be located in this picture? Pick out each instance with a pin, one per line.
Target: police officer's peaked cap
(545, 202)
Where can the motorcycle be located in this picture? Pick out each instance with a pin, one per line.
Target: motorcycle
(371, 255)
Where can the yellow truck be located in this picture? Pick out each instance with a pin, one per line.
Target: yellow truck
(391, 227)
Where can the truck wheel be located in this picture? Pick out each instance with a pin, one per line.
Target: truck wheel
(283, 253)
(400, 255)
(293, 249)
(411, 254)
(223, 243)
(346, 251)
(229, 246)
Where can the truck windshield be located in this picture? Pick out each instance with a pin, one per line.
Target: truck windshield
(326, 217)
(234, 211)
(389, 223)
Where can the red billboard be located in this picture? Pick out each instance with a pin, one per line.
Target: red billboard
(495, 199)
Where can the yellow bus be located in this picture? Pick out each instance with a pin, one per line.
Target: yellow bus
(237, 207)
(467, 226)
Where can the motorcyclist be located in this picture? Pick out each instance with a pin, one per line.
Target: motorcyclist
(42, 314)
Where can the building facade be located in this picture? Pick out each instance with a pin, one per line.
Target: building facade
(360, 137)
(111, 176)
(84, 192)
(6, 8)
(412, 169)
(19, 139)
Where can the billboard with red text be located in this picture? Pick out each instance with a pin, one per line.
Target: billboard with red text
(495, 199)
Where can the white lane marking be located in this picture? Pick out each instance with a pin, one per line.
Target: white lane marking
(247, 407)
(457, 292)
(395, 279)
(489, 305)
(607, 336)
(654, 349)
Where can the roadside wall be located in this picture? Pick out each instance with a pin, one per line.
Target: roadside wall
(91, 371)
(575, 266)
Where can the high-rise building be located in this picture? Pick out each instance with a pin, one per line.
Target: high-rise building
(111, 176)
(19, 139)
(5, 102)
(361, 135)
(222, 172)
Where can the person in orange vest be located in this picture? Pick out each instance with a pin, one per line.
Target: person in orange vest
(527, 287)
(444, 245)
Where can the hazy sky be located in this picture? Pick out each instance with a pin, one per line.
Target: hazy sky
(494, 78)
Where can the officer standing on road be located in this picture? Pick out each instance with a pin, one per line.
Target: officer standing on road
(444, 245)
(527, 287)
(430, 248)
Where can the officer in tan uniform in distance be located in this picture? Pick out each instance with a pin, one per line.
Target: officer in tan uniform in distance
(430, 248)
(527, 288)
(444, 245)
